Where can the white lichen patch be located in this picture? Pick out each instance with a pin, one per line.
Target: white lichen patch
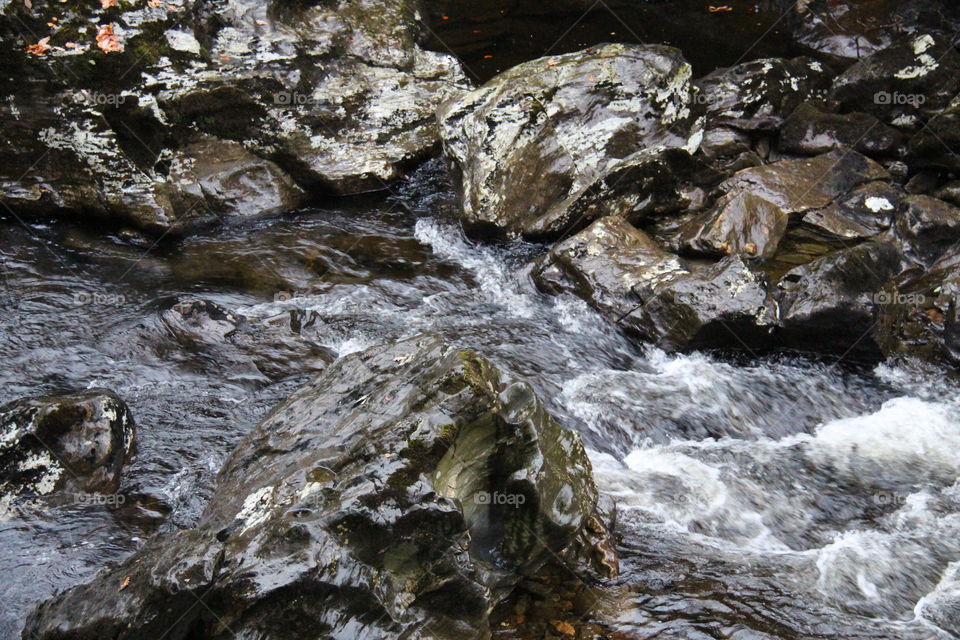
(877, 204)
(925, 63)
(256, 508)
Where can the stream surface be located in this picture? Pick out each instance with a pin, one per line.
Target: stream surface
(775, 497)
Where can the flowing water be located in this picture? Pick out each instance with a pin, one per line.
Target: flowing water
(772, 498)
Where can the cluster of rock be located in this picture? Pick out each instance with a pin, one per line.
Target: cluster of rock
(770, 205)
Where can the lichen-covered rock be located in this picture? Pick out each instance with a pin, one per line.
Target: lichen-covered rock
(621, 271)
(811, 131)
(338, 95)
(758, 95)
(864, 212)
(928, 228)
(829, 305)
(547, 130)
(58, 444)
(904, 84)
(401, 494)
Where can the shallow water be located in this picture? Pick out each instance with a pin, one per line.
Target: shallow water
(781, 498)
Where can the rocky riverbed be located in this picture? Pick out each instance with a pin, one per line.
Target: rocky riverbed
(360, 319)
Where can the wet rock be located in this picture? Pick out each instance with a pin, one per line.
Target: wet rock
(863, 213)
(949, 192)
(217, 179)
(547, 130)
(725, 144)
(918, 315)
(403, 493)
(904, 84)
(620, 271)
(742, 224)
(811, 131)
(928, 227)
(848, 31)
(829, 305)
(937, 144)
(339, 95)
(58, 444)
(758, 95)
(276, 347)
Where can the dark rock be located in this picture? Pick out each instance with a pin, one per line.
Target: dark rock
(928, 227)
(742, 224)
(949, 192)
(924, 181)
(58, 444)
(339, 94)
(863, 213)
(919, 314)
(904, 84)
(725, 144)
(620, 270)
(938, 142)
(283, 345)
(758, 95)
(829, 305)
(547, 130)
(848, 31)
(811, 131)
(219, 179)
(401, 494)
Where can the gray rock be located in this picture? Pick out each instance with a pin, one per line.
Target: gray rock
(74, 443)
(546, 131)
(865, 212)
(401, 494)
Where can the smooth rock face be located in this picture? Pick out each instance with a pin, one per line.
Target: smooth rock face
(864, 212)
(937, 144)
(757, 95)
(904, 84)
(928, 227)
(545, 131)
(621, 271)
(339, 95)
(401, 494)
(830, 304)
(810, 131)
(217, 179)
(57, 444)
(743, 224)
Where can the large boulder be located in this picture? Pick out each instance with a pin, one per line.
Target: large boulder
(532, 140)
(904, 84)
(811, 130)
(338, 95)
(928, 227)
(75, 443)
(401, 494)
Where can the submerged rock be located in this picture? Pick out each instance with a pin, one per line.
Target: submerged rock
(403, 493)
(536, 137)
(59, 444)
(339, 95)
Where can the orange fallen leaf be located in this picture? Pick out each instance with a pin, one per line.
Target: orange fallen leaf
(720, 9)
(41, 48)
(28, 4)
(70, 45)
(106, 4)
(107, 39)
(564, 628)
(156, 4)
(126, 583)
